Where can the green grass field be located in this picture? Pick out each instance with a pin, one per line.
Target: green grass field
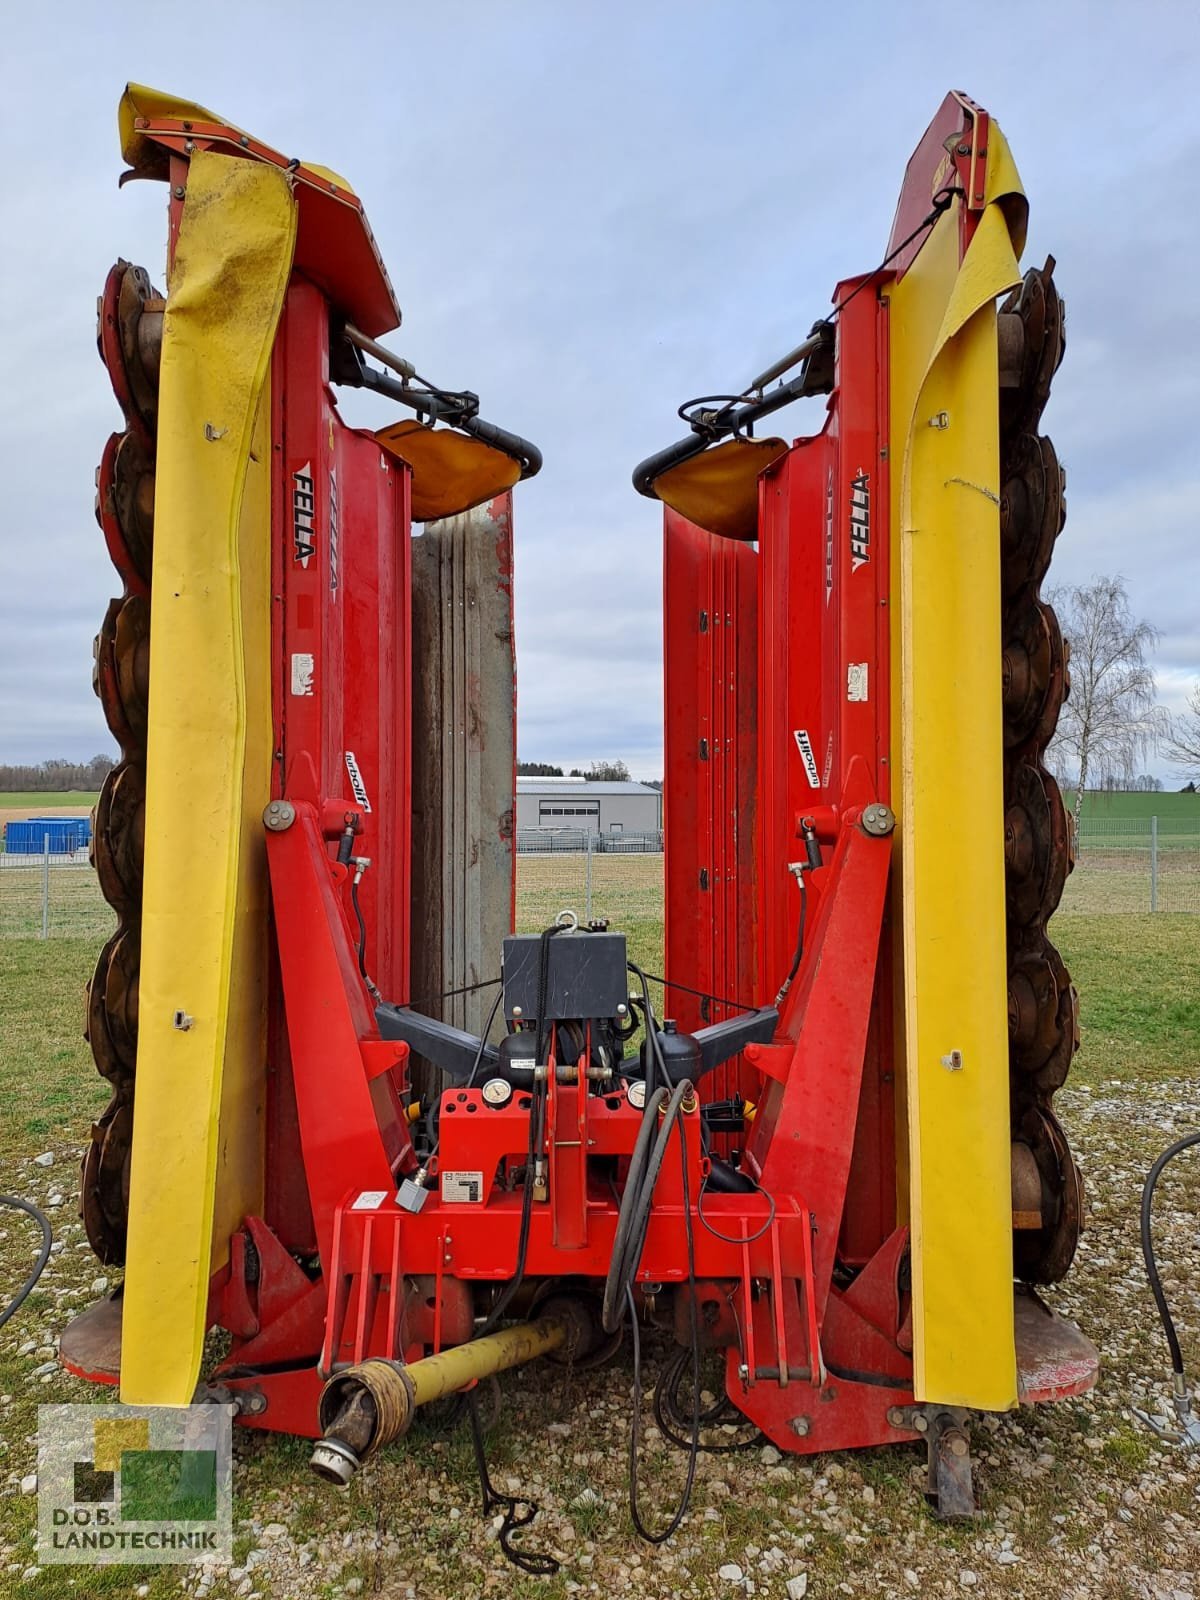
(42, 800)
(1126, 804)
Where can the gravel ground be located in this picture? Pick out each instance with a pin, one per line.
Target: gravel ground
(1078, 1500)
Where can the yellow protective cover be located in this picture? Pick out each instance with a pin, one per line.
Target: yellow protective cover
(197, 1142)
(149, 159)
(719, 489)
(451, 472)
(947, 752)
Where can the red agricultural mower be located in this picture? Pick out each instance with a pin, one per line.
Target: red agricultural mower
(835, 1164)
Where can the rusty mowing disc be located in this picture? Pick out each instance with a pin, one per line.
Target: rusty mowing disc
(1031, 512)
(1035, 679)
(1037, 845)
(1044, 1255)
(129, 352)
(1039, 307)
(133, 500)
(1043, 1018)
(134, 577)
(109, 1063)
(105, 1186)
(121, 995)
(131, 650)
(119, 837)
(105, 681)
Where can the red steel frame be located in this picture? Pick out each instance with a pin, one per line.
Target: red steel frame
(396, 1283)
(807, 723)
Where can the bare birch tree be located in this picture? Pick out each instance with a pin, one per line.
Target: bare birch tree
(1110, 718)
(1183, 742)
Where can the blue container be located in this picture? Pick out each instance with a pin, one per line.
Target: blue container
(66, 836)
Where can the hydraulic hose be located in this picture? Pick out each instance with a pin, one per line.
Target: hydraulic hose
(633, 1219)
(27, 1206)
(1156, 1287)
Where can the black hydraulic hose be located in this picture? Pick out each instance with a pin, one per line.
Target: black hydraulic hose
(15, 1203)
(537, 1126)
(614, 1298)
(509, 444)
(450, 408)
(656, 1067)
(799, 955)
(729, 419)
(733, 421)
(1156, 1288)
(630, 1241)
(661, 1535)
(504, 1299)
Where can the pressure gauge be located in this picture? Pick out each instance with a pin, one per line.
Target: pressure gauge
(636, 1094)
(497, 1092)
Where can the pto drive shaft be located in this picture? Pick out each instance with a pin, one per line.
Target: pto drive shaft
(372, 1404)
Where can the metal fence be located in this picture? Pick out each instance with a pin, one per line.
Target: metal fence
(581, 841)
(51, 895)
(58, 897)
(1126, 864)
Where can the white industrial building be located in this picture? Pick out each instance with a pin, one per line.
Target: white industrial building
(579, 804)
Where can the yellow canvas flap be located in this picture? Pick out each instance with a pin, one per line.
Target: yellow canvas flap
(718, 490)
(197, 1140)
(451, 472)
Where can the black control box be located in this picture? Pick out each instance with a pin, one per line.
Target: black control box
(586, 976)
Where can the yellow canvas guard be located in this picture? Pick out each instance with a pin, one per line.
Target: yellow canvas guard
(718, 490)
(197, 1144)
(451, 472)
(947, 750)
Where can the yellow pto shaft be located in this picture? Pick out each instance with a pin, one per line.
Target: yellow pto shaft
(371, 1405)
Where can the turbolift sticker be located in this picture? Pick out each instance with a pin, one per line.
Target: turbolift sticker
(357, 787)
(804, 745)
(860, 520)
(304, 510)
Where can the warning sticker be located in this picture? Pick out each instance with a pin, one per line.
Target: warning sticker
(804, 745)
(369, 1200)
(462, 1188)
(302, 674)
(856, 680)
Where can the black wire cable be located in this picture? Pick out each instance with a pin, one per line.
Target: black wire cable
(517, 1512)
(941, 202)
(362, 940)
(727, 1238)
(660, 1536)
(655, 1064)
(686, 988)
(537, 1114)
(15, 1203)
(487, 1028)
(1156, 1288)
(449, 994)
(721, 1413)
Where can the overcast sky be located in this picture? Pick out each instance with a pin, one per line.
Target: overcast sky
(592, 212)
